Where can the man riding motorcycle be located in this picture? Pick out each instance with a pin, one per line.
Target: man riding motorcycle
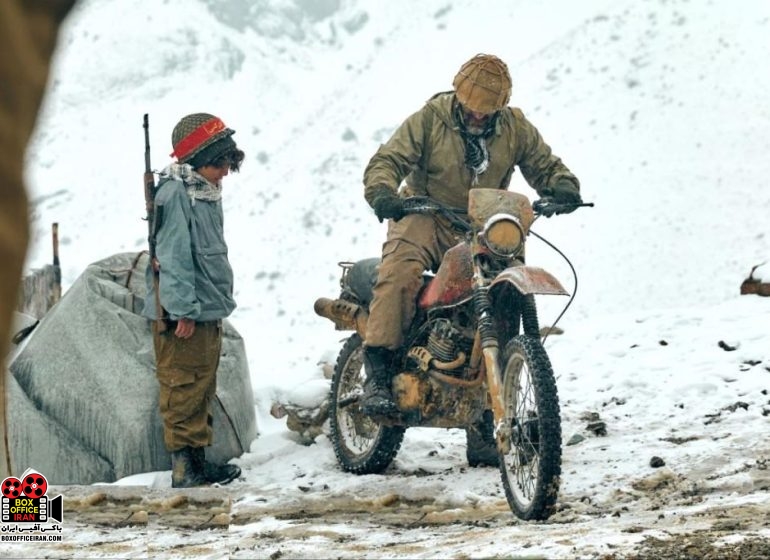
(461, 139)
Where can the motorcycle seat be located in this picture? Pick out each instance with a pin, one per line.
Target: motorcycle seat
(362, 277)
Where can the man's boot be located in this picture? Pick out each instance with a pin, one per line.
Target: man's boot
(187, 468)
(481, 448)
(378, 397)
(219, 474)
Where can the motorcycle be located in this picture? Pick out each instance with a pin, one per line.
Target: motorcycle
(473, 357)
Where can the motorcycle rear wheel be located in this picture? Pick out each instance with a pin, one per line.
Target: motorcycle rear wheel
(531, 469)
(361, 445)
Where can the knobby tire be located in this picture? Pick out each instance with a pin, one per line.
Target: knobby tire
(531, 470)
(361, 445)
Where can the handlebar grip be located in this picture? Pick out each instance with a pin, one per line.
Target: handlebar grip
(547, 207)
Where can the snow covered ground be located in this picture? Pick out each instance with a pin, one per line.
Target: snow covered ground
(659, 106)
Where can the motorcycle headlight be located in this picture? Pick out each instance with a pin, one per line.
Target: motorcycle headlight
(503, 235)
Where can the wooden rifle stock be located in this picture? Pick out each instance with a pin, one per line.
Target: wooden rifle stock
(152, 222)
(56, 262)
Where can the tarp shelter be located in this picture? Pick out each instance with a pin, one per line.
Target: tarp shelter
(82, 394)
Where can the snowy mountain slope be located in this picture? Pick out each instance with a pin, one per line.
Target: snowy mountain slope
(668, 135)
(308, 111)
(661, 190)
(658, 106)
(647, 102)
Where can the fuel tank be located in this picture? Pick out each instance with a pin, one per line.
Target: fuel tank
(453, 282)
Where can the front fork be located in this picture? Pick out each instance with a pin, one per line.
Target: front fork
(486, 341)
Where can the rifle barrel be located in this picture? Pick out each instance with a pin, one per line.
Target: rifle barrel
(149, 198)
(146, 142)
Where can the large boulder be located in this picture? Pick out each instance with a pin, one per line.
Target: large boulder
(82, 394)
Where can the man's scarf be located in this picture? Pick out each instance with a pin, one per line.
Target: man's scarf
(196, 185)
(476, 152)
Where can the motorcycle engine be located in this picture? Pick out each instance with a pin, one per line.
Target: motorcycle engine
(442, 340)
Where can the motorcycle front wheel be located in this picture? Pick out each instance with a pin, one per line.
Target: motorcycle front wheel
(532, 466)
(362, 446)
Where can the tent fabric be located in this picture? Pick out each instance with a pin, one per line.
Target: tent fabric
(83, 404)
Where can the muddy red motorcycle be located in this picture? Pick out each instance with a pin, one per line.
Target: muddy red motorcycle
(473, 356)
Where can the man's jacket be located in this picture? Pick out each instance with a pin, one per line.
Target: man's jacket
(428, 152)
(196, 280)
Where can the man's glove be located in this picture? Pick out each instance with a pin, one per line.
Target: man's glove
(564, 192)
(388, 205)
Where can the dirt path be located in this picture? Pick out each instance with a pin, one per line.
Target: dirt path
(245, 522)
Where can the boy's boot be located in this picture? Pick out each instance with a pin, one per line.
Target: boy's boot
(186, 468)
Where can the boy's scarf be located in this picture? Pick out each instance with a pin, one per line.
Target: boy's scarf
(196, 185)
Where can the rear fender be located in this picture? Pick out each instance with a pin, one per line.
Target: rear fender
(531, 280)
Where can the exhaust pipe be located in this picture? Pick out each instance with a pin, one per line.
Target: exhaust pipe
(346, 315)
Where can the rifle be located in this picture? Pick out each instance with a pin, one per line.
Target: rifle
(153, 222)
(56, 263)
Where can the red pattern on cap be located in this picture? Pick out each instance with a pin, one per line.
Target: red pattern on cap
(189, 143)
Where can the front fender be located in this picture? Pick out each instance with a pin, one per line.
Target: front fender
(531, 280)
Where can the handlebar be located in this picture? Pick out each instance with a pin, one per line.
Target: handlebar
(547, 207)
(426, 205)
(458, 216)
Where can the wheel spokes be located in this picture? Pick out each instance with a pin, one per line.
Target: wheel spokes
(358, 430)
(532, 466)
(523, 459)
